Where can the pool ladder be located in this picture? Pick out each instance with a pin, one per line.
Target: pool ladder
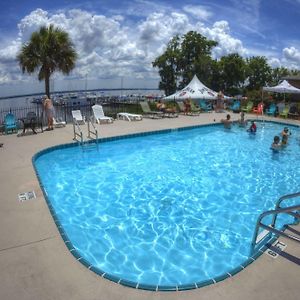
(270, 229)
(92, 135)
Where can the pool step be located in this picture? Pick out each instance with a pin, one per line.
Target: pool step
(262, 235)
(86, 147)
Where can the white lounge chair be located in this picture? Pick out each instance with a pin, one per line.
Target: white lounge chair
(129, 117)
(99, 114)
(77, 116)
(58, 123)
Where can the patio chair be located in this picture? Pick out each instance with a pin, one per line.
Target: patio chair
(77, 116)
(10, 124)
(153, 114)
(32, 121)
(99, 114)
(181, 106)
(58, 123)
(293, 112)
(271, 111)
(129, 117)
(194, 108)
(248, 107)
(285, 112)
(205, 106)
(259, 109)
(236, 106)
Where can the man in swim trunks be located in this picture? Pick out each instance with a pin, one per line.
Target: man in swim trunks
(227, 122)
(49, 110)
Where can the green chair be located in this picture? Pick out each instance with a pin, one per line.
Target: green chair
(153, 114)
(194, 108)
(248, 107)
(10, 124)
(285, 112)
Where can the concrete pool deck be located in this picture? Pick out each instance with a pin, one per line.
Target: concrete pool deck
(36, 264)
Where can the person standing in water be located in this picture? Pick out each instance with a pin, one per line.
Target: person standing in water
(227, 122)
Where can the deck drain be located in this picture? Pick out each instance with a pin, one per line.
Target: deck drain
(276, 248)
(26, 196)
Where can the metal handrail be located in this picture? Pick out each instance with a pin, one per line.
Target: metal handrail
(279, 201)
(278, 210)
(90, 132)
(76, 134)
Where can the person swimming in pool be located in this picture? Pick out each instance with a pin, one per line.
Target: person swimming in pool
(227, 122)
(242, 122)
(252, 128)
(285, 135)
(276, 145)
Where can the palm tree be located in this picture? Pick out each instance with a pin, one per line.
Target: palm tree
(49, 49)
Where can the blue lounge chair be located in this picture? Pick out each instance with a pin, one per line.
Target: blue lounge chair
(236, 106)
(205, 106)
(10, 124)
(271, 110)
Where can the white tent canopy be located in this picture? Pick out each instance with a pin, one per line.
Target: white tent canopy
(283, 87)
(194, 90)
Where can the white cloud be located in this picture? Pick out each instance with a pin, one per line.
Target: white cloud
(220, 32)
(292, 54)
(274, 62)
(198, 11)
(111, 47)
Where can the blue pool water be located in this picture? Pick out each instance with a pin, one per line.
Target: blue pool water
(173, 208)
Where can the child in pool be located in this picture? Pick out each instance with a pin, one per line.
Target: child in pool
(276, 143)
(285, 134)
(252, 128)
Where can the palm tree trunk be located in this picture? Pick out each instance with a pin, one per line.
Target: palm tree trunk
(47, 85)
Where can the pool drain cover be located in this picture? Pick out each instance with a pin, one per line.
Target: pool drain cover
(26, 196)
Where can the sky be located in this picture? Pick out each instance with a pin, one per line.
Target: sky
(117, 40)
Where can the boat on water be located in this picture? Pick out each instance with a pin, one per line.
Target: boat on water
(91, 98)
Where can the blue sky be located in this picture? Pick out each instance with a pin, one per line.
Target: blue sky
(120, 39)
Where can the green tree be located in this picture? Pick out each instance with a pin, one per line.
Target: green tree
(277, 74)
(258, 72)
(167, 65)
(196, 58)
(48, 50)
(183, 58)
(232, 70)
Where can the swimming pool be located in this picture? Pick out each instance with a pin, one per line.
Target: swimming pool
(170, 210)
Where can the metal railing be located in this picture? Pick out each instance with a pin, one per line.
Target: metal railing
(92, 134)
(77, 132)
(64, 111)
(293, 211)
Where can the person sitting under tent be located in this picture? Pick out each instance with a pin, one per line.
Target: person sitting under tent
(160, 106)
(187, 106)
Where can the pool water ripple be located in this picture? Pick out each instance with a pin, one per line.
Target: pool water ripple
(169, 209)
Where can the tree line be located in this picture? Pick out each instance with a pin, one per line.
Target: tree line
(191, 54)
